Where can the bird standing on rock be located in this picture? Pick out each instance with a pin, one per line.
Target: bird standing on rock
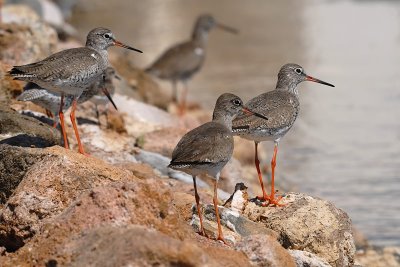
(71, 71)
(208, 148)
(282, 107)
(51, 101)
(181, 61)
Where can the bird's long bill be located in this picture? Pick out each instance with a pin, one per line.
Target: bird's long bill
(227, 28)
(105, 91)
(248, 111)
(312, 79)
(118, 43)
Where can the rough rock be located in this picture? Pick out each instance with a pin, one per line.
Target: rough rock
(9, 87)
(304, 258)
(21, 130)
(379, 257)
(141, 118)
(20, 13)
(310, 224)
(14, 163)
(93, 249)
(47, 188)
(265, 251)
(26, 43)
(68, 202)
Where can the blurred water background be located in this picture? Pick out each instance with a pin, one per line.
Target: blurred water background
(345, 145)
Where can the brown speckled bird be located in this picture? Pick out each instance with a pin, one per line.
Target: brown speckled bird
(208, 148)
(71, 71)
(282, 107)
(181, 61)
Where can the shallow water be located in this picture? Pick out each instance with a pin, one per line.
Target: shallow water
(345, 145)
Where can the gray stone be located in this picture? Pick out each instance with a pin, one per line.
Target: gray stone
(265, 251)
(307, 259)
(235, 225)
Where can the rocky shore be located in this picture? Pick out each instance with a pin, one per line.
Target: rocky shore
(122, 206)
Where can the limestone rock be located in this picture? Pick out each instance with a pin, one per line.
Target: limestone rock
(265, 251)
(14, 163)
(26, 43)
(20, 13)
(8, 86)
(304, 258)
(100, 226)
(141, 118)
(310, 224)
(47, 188)
(93, 249)
(21, 130)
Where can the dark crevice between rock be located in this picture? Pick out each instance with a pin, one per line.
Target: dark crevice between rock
(25, 140)
(284, 240)
(11, 242)
(51, 263)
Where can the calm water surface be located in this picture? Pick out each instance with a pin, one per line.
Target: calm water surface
(345, 145)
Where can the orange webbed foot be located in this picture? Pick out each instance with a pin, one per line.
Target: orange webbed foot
(274, 202)
(263, 198)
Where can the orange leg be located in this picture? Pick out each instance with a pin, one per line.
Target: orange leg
(182, 105)
(61, 115)
(72, 116)
(196, 196)
(215, 200)
(272, 199)
(264, 197)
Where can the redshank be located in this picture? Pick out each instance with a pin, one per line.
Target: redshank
(181, 61)
(282, 107)
(51, 101)
(71, 71)
(208, 148)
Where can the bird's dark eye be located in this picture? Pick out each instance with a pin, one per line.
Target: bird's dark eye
(298, 70)
(237, 102)
(107, 36)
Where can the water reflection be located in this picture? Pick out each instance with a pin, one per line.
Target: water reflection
(345, 145)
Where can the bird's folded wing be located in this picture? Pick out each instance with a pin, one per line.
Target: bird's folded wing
(209, 143)
(61, 66)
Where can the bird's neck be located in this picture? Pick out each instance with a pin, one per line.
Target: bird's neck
(287, 85)
(200, 37)
(223, 118)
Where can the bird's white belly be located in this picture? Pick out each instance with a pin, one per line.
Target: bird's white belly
(265, 135)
